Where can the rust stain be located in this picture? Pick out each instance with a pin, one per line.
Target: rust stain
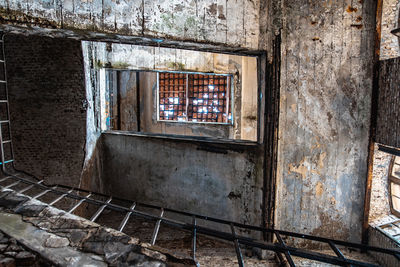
(313, 22)
(317, 143)
(333, 201)
(212, 9)
(322, 156)
(293, 107)
(221, 12)
(359, 18)
(358, 26)
(319, 189)
(315, 38)
(331, 227)
(351, 9)
(302, 169)
(17, 17)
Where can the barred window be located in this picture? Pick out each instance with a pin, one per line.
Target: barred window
(192, 97)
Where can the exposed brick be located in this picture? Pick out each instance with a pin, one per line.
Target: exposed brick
(46, 91)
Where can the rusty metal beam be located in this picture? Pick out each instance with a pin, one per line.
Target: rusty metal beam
(374, 115)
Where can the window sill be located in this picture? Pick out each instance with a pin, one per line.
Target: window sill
(185, 138)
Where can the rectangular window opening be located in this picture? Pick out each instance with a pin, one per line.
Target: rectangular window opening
(169, 91)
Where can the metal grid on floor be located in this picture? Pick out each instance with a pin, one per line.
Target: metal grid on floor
(189, 223)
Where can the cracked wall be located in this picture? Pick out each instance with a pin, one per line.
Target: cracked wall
(326, 81)
(232, 22)
(326, 84)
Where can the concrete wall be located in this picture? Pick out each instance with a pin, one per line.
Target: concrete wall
(326, 72)
(47, 95)
(185, 175)
(326, 84)
(233, 22)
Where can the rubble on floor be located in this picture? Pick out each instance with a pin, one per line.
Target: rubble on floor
(65, 239)
(12, 253)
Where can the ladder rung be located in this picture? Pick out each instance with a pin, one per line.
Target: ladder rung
(7, 141)
(7, 161)
(3, 101)
(7, 121)
(2, 81)
(2, 61)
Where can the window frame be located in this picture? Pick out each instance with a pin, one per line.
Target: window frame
(392, 180)
(230, 100)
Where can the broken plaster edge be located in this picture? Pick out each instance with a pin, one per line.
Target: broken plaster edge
(34, 238)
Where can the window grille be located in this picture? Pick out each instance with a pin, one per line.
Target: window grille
(202, 98)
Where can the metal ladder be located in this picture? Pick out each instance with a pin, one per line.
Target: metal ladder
(7, 153)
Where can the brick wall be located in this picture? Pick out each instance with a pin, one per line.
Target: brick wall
(46, 90)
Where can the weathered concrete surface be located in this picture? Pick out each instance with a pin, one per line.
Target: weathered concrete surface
(185, 176)
(326, 83)
(232, 22)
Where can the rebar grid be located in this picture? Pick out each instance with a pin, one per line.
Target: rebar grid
(84, 196)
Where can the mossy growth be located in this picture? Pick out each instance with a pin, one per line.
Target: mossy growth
(176, 65)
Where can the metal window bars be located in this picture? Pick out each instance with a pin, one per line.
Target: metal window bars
(12, 179)
(193, 97)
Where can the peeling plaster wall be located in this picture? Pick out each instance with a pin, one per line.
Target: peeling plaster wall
(326, 84)
(232, 22)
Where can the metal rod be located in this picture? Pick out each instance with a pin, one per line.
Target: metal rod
(278, 248)
(125, 220)
(157, 228)
(29, 187)
(336, 250)
(11, 185)
(5, 178)
(194, 232)
(44, 192)
(79, 203)
(237, 248)
(287, 253)
(60, 197)
(100, 210)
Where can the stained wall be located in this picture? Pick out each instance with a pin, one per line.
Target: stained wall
(326, 83)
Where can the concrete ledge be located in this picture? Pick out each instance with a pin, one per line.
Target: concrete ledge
(68, 240)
